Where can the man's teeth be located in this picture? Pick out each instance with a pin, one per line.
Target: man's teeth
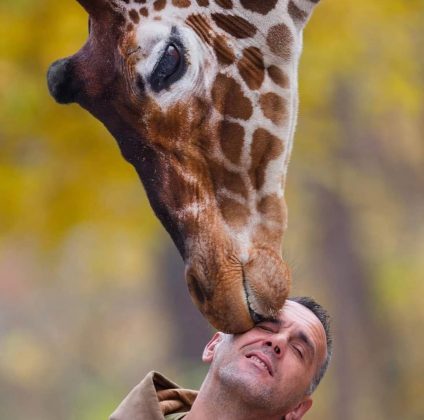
(256, 359)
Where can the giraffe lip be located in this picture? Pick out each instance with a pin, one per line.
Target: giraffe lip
(255, 316)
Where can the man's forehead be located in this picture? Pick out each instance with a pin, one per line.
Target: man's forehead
(294, 313)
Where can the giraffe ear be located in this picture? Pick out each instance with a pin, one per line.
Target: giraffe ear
(301, 10)
(96, 8)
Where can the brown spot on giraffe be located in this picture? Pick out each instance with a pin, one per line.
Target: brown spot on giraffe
(159, 5)
(225, 4)
(252, 67)
(201, 26)
(236, 26)
(265, 147)
(223, 51)
(226, 179)
(203, 3)
(278, 76)
(273, 107)
(262, 6)
(134, 16)
(229, 99)
(231, 140)
(274, 210)
(270, 232)
(181, 3)
(270, 206)
(280, 41)
(234, 213)
(298, 15)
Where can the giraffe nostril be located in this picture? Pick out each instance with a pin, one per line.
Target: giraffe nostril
(195, 289)
(60, 81)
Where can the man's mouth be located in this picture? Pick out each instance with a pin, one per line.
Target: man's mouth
(261, 361)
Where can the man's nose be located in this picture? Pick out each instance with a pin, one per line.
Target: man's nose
(276, 347)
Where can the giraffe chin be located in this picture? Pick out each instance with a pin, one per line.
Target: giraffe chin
(236, 300)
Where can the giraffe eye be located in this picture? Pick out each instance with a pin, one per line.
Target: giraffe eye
(168, 69)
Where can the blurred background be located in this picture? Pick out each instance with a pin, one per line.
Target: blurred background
(92, 294)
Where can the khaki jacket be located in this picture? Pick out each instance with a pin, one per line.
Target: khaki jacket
(155, 398)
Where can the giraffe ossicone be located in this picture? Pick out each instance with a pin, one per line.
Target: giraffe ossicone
(201, 96)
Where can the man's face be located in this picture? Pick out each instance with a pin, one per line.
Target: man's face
(273, 364)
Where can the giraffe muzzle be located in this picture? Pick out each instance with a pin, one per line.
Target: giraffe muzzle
(234, 297)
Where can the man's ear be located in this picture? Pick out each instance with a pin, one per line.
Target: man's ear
(299, 411)
(210, 348)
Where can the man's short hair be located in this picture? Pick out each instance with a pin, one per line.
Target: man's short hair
(324, 318)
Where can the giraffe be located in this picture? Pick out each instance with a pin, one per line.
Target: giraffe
(201, 96)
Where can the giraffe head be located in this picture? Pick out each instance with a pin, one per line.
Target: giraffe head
(201, 96)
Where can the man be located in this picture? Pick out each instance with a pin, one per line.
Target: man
(268, 372)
